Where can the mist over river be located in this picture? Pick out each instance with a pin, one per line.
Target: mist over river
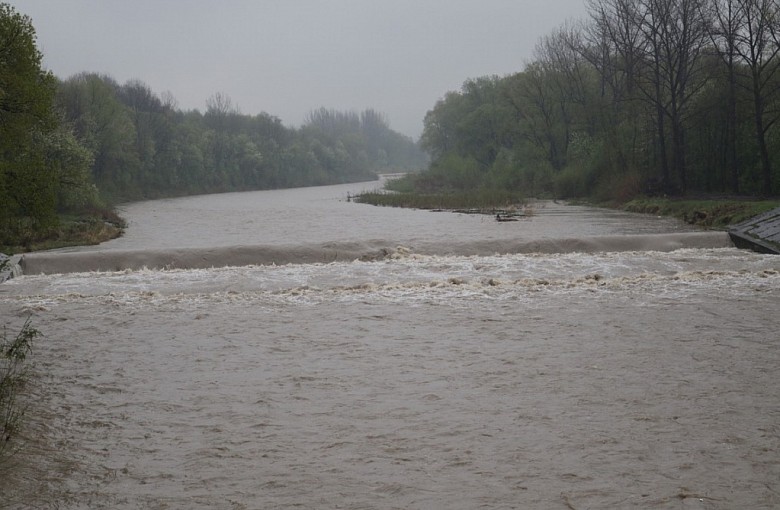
(340, 355)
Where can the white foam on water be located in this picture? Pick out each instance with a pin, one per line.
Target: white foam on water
(426, 360)
(412, 277)
(409, 381)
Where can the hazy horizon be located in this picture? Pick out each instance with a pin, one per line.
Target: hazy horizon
(288, 58)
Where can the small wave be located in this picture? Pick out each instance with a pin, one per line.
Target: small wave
(453, 291)
(201, 258)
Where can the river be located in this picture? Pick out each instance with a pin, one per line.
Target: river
(388, 358)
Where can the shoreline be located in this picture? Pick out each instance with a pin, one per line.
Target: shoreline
(711, 213)
(97, 227)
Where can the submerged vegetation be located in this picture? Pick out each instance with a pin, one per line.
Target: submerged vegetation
(403, 192)
(440, 190)
(487, 199)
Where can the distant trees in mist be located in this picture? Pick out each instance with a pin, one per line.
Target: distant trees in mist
(644, 96)
(144, 146)
(80, 142)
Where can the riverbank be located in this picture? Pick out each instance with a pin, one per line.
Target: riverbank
(87, 228)
(716, 213)
(97, 226)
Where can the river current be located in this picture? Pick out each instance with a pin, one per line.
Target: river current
(389, 358)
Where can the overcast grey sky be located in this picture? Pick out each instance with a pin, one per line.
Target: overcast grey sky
(287, 57)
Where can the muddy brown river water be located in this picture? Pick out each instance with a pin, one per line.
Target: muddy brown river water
(577, 358)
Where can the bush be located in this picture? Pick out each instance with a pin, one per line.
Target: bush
(13, 374)
(571, 182)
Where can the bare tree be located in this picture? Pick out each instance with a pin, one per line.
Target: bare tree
(676, 36)
(561, 55)
(657, 45)
(612, 43)
(727, 21)
(622, 61)
(169, 101)
(220, 104)
(619, 22)
(756, 43)
(536, 101)
(219, 108)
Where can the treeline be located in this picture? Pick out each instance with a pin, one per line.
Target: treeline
(79, 144)
(643, 97)
(144, 146)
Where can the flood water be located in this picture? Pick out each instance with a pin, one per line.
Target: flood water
(444, 361)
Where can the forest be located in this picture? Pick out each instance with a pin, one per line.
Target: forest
(79, 145)
(651, 97)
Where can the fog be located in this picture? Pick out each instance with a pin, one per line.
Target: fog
(289, 57)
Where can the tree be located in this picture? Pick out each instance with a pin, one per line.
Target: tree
(104, 125)
(146, 111)
(660, 44)
(27, 193)
(727, 21)
(545, 118)
(613, 45)
(758, 49)
(438, 135)
(71, 165)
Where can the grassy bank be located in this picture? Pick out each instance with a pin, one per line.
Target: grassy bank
(86, 228)
(710, 213)
(705, 212)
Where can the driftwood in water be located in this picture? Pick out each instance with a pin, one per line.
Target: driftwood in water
(499, 214)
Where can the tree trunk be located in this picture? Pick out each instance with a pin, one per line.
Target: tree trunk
(678, 153)
(661, 124)
(766, 165)
(731, 127)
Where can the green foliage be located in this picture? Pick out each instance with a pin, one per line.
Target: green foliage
(13, 374)
(633, 100)
(43, 167)
(144, 147)
(27, 195)
(71, 146)
(70, 163)
(483, 199)
(402, 184)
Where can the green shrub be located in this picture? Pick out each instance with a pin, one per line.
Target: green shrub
(13, 374)
(571, 182)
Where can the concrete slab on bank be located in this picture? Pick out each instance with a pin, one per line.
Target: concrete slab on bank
(760, 233)
(9, 267)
